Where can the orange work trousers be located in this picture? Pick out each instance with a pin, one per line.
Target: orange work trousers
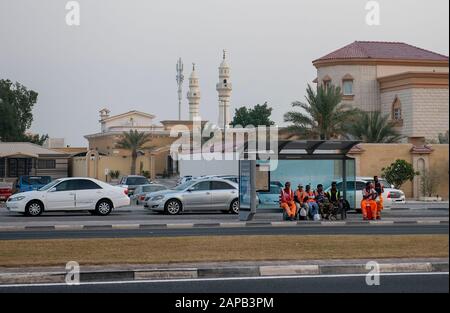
(290, 208)
(369, 209)
(379, 205)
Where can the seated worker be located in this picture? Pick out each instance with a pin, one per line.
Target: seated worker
(287, 201)
(325, 207)
(300, 200)
(334, 196)
(368, 204)
(379, 188)
(313, 207)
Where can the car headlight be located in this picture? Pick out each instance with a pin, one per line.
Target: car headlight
(157, 198)
(15, 199)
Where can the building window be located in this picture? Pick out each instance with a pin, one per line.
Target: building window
(348, 87)
(397, 110)
(46, 164)
(19, 167)
(326, 81)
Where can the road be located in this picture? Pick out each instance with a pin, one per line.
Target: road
(135, 213)
(392, 283)
(231, 231)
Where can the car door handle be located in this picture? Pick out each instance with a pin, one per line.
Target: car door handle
(71, 194)
(208, 193)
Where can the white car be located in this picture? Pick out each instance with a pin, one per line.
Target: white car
(70, 194)
(355, 187)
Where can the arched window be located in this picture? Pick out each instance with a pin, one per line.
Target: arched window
(397, 110)
(326, 81)
(347, 85)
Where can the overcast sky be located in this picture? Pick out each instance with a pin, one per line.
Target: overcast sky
(123, 54)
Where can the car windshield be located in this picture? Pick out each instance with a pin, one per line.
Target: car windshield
(183, 186)
(36, 180)
(50, 185)
(137, 181)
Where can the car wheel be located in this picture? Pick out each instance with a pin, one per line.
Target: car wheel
(34, 208)
(234, 207)
(103, 208)
(173, 207)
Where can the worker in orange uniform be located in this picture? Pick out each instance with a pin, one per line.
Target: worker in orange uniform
(300, 198)
(379, 188)
(368, 203)
(287, 201)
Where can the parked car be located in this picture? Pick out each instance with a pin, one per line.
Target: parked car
(355, 187)
(271, 198)
(30, 183)
(130, 182)
(70, 194)
(184, 179)
(6, 190)
(206, 194)
(141, 192)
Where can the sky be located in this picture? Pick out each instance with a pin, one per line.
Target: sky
(123, 54)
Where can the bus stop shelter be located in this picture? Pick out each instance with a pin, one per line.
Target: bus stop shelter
(306, 162)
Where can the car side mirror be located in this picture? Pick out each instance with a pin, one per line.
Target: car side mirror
(392, 186)
(52, 189)
(190, 190)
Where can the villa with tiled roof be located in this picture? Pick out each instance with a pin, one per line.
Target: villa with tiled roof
(408, 83)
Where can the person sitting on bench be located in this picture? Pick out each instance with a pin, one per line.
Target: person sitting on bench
(287, 201)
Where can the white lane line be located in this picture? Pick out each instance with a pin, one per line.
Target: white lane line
(221, 279)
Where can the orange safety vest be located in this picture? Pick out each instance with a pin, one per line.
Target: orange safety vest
(300, 196)
(311, 196)
(287, 197)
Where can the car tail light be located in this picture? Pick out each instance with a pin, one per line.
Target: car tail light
(142, 198)
(125, 191)
(389, 195)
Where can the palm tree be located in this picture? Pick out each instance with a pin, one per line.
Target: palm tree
(133, 141)
(373, 127)
(325, 116)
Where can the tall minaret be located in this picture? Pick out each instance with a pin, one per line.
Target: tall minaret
(180, 79)
(194, 95)
(224, 88)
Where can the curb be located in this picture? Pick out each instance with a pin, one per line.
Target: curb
(217, 225)
(223, 272)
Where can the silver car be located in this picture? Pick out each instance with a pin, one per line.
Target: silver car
(141, 192)
(208, 194)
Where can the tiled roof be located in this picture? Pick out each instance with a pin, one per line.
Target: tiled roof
(383, 50)
(25, 148)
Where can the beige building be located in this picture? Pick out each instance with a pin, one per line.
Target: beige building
(103, 156)
(371, 158)
(407, 83)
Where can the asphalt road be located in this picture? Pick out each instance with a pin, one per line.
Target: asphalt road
(406, 229)
(134, 213)
(392, 283)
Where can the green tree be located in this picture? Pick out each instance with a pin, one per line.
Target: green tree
(373, 127)
(429, 180)
(16, 111)
(133, 141)
(443, 138)
(399, 172)
(324, 116)
(259, 115)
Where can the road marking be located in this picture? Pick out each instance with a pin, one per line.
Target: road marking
(221, 279)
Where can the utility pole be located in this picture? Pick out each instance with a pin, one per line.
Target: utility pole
(180, 79)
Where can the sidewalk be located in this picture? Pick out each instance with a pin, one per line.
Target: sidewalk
(127, 272)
